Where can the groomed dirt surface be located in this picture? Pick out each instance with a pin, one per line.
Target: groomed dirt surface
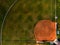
(45, 30)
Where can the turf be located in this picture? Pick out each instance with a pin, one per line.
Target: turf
(19, 24)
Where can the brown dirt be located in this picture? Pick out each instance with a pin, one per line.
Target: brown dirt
(45, 30)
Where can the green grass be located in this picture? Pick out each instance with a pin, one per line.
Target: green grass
(20, 21)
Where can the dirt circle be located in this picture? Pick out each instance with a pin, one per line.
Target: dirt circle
(45, 30)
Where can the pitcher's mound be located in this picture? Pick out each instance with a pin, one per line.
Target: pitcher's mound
(45, 30)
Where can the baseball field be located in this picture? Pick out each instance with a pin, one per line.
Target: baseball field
(19, 17)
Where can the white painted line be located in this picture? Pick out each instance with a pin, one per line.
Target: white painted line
(5, 18)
